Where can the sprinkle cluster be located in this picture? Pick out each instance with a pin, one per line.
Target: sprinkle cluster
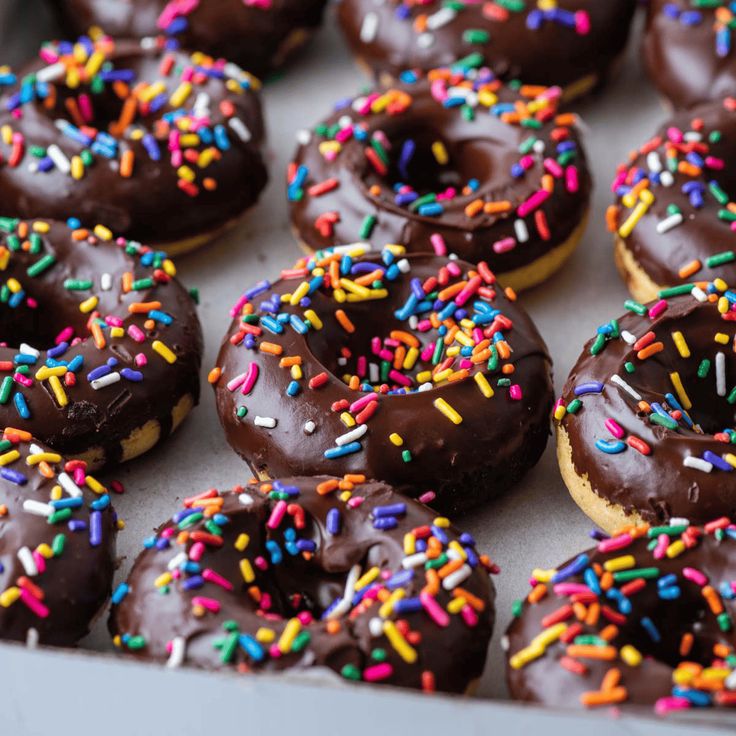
(474, 92)
(674, 413)
(425, 24)
(427, 586)
(62, 366)
(679, 163)
(601, 609)
(455, 332)
(722, 13)
(169, 118)
(65, 512)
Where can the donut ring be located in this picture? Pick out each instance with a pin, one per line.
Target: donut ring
(57, 544)
(102, 345)
(644, 618)
(162, 146)
(313, 379)
(572, 44)
(675, 214)
(688, 51)
(413, 165)
(646, 417)
(258, 36)
(311, 572)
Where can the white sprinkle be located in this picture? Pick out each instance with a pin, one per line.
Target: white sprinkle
(245, 499)
(455, 578)
(32, 638)
(37, 507)
(721, 374)
(107, 380)
(375, 626)
(666, 179)
(697, 464)
(268, 422)
(240, 129)
(628, 337)
(201, 107)
(35, 449)
(342, 361)
(60, 160)
(692, 136)
(679, 521)
(51, 73)
(403, 265)
(354, 249)
(654, 162)
(106, 281)
(69, 485)
(233, 71)
(425, 40)
(521, 230)
(347, 597)
(26, 559)
(669, 223)
(352, 435)
(26, 349)
(309, 427)
(730, 681)
(539, 147)
(345, 121)
(177, 560)
(178, 652)
(426, 386)
(414, 560)
(505, 643)
(440, 18)
(373, 372)
(369, 28)
(615, 378)
(413, 322)
(148, 42)
(303, 137)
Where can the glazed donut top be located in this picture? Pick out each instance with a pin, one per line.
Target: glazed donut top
(542, 42)
(130, 134)
(406, 369)
(312, 572)
(649, 406)
(689, 49)
(98, 334)
(644, 618)
(456, 161)
(223, 28)
(57, 543)
(676, 198)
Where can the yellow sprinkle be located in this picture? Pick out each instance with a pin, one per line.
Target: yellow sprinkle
(675, 549)
(459, 551)
(94, 63)
(424, 376)
(630, 655)
(169, 267)
(313, 318)
(242, 542)
(681, 344)
(410, 543)
(442, 522)
(396, 439)
(9, 457)
(296, 372)
(543, 576)
(56, 493)
(680, 390)
(13, 285)
(246, 570)
(354, 288)
(347, 419)
(103, 233)
(456, 605)
(397, 641)
(186, 173)
(45, 551)
(448, 411)
(721, 338)
(43, 457)
(59, 393)
(44, 372)
(164, 351)
(77, 167)
(442, 376)
(412, 354)
(560, 412)
(95, 486)
(41, 226)
(440, 153)
(730, 458)
(631, 222)
(265, 636)
(180, 94)
(723, 305)
(625, 562)
(387, 608)
(720, 284)
(299, 293)
(289, 634)
(88, 305)
(9, 596)
(163, 579)
(549, 636)
(367, 578)
(117, 332)
(483, 385)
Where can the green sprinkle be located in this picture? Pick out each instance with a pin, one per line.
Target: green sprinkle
(635, 307)
(41, 265)
(574, 406)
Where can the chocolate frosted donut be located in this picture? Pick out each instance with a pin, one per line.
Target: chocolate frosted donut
(101, 346)
(455, 161)
(259, 35)
(418, 371)
(162, 146)
(645, 618)
(675, 214)
(570, 43)
(646, 418)
(688, 49)
(57, 544)
(326, 572)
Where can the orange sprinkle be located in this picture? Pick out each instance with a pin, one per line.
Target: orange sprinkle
(589, 651)
(537, 593)
(271, 348)
(214, 375)
(649, 350)
(344, 321)
(610, 697)
(690, 269)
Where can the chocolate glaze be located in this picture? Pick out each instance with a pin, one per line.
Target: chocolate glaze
(485, 148)
(702, 234)
(258, 39)
(149, 205)
(76, 582)
(498, 440)
(657, 486)
(455, 653)
(681, 59)
(551, 55)
(103, 417)
(546, 681)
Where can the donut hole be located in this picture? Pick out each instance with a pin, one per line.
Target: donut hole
(423, 161)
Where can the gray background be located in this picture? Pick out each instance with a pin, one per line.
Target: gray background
(536, 524)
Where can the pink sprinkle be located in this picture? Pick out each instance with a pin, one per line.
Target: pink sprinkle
(141, 360)
(399, 378)
(434, 610)
(534, 202)
(64, 335)
(355, 502)
(196, 551)
(453, 269)
(504, 246)
(695, 576)
(305, 618)
(277, 515)
(515, 392)
(40, 561)
(663, 541)
(362, 402)
(614, 428)
(235, 382)
(427, 497)
(378, 672)
(238, 306)
(34, 604)
(570, 589)
(136, 333)
(553, 167)
(582, 22)
(657, 309)
(210, 604)
(571, 179)
(469, 615)
(261, 563)
(250, 379)
(668, 704)
(23, 380)
(675, 135)
(212, 577)
(715, 163)
(615, 543)
(438, 243)
(470, 288)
